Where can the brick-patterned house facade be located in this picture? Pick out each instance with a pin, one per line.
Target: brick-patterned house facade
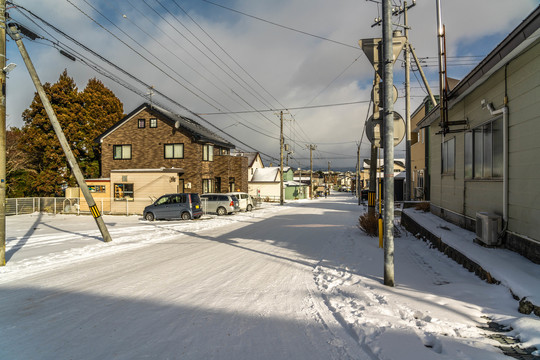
(154, 138)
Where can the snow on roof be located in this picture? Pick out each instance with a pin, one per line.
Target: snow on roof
(268, 174)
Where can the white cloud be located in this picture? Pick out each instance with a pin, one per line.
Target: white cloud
(293, 67)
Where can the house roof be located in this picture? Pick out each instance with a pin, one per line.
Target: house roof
(268, 174)
(520, 38)
(196, 130)
(252, 156)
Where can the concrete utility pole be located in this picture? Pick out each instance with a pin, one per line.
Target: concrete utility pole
(358, 190)
(388, 118)
(3, 133)
(311, 148)
(16, 36)
(408, 177)
(281, 160)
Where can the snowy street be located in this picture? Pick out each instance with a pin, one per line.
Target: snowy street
(299, 281)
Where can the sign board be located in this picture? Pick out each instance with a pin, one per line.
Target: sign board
(373, 51)
(374, 130)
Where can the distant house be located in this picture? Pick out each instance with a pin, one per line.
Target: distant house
(419, 152)
(254, 161)
(153, 151)
(265, 183)
(491, 165)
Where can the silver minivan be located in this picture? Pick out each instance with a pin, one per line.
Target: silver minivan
(220, 204)
(245, 200)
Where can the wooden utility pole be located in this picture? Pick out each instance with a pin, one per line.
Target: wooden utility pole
(3, 179)
(16, 36)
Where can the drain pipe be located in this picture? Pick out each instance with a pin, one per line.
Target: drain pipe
(504, 111)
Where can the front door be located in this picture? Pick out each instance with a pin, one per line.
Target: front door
(180, 187)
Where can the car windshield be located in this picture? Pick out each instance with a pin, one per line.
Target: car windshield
(162, 200)
(195, 198)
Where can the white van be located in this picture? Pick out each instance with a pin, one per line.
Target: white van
(245, 200)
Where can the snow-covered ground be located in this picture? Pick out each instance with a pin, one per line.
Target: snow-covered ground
(298, 281)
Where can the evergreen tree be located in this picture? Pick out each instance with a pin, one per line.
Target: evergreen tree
(101, 109)
(82, 116)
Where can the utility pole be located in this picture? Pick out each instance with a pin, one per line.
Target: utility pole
(358, 190)
(281, 160)
(3, 179)
(311, 148)
(408, 170)
(388, 119)
(16, 36)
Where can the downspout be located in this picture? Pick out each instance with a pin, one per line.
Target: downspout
(504, 112)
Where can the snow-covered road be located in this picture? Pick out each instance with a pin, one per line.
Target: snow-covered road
(294, 282)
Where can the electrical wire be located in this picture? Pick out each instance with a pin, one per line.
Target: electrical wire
(279, 25)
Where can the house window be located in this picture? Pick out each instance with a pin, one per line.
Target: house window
(224, 151)
(96, 188)
(448, 153)
(142, 123)
(123, 192)
(174, 151)
(208, 152)
(122, 152)
(207, 185)
(217, 184)
(484, 151)
(153, 123)
(231, 184)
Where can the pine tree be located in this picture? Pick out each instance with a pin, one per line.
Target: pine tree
(82, 116)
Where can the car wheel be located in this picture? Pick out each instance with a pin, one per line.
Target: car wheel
(149, 216)
(221, 211)
(249, 207)
(186, 216)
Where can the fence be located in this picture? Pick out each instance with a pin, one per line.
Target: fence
(62, 205)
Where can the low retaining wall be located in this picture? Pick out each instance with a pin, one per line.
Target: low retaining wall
(525, 306)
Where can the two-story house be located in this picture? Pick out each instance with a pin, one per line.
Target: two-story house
(153, 151)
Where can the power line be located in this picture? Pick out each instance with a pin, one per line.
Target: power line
(279, 25)
(134, 78)
(291, 108)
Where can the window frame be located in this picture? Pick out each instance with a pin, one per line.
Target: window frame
(448, 152)
(207, 186)
(122, 151)
(208, 152)
(141, 122)
(121, 196)
(174, 145)
(153, 123)
(476, 157)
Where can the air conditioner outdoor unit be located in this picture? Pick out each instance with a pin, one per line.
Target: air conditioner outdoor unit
(488, 227)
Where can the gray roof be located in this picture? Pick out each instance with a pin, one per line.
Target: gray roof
(196, 130)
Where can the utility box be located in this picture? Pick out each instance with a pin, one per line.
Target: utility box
(488, 227)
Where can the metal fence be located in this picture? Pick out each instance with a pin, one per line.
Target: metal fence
(62, 205)
(18, 206)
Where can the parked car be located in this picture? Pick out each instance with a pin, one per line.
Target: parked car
(183, 206)
(245, 200)
(220, 204)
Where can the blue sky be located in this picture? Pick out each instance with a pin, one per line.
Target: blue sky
(273, 67)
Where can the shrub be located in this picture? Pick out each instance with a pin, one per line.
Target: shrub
(369, 223)
(424, 206)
